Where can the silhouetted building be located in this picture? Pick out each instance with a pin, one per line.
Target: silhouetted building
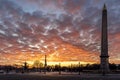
(104, 64)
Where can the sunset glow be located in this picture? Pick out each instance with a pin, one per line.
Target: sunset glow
(67, 31)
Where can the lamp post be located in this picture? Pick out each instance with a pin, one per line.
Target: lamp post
(79, 68)
(59, 68)
(117, 67)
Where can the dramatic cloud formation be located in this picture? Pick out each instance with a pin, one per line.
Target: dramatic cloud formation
(65, 30)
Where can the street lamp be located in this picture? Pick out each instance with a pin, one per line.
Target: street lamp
(79, 68)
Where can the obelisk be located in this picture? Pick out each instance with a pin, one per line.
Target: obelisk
(104, 63)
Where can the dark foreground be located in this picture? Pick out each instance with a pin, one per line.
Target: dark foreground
(50, 76)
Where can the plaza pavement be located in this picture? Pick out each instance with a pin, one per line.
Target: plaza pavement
(56, 76)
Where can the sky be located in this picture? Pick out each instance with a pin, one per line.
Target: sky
(64, 30)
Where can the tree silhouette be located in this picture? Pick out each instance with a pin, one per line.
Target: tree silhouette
(37, 64)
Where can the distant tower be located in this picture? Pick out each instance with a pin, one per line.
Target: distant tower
(45, 65)
(104, 65)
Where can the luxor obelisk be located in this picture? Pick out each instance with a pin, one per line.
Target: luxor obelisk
(104, 63)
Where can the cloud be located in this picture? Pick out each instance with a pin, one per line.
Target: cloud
(59, 28)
